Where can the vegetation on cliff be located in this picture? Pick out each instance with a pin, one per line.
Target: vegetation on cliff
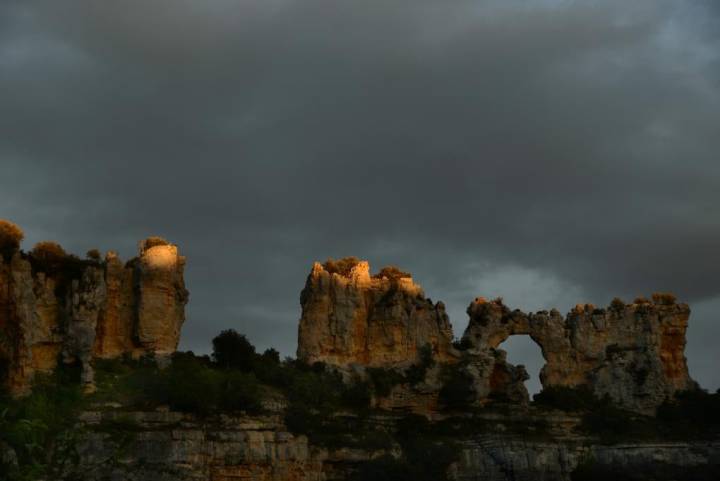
(34, 427)
(341, 266)
(332, 412)
(10, 237)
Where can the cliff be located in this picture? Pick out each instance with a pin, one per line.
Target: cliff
(171, 446)
(74, 311)
(354, 318)
(617, 401)
(634, 353)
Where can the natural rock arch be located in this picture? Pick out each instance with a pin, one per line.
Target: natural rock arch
(602, 349)
(633, 353)
(522, 351)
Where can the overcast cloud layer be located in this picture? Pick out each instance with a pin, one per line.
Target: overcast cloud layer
(551, 152)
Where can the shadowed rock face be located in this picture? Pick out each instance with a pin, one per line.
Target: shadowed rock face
(106, 311)
(371, 321)
(632, 353)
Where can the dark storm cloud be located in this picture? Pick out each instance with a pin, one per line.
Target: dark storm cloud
(551, 152)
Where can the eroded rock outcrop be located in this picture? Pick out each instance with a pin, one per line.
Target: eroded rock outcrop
(634, 353)
(354, 318)
(99, 309)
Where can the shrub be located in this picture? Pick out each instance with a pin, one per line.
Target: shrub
(318, 391)
(50, 258)
(48, 252)
(566, 398)
(268, 369)
(191, 386)
(341, 266)
(153, 241)
(391, 272)
(10, 236)
(415, 374)
(32, 424)
(695, 413)
(300, 419)
(613, 425)
(383, 380)
(617, 304)
(426, 453)
(664, 298)
(384, 468)
(271, 356)
(93, 254)
(240, 392)
(641, 300)
(233, 350)
(457, 391)
(356, 394)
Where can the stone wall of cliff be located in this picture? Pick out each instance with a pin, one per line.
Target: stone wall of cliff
(171, 446)
(632, 353)
(101, 309)
(356, 318)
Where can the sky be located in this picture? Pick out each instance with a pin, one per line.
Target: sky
(550, 152)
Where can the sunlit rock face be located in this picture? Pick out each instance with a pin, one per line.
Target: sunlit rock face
(632, 353)
(354, 318)
(161, 298)
(104, 310)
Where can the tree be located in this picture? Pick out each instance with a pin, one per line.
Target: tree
(151, 242)
(232, 350)
(392, 273)
(48, 251)
(51, 258)
(341, 266)
(271, 356)
(10, 236)
(191, 386)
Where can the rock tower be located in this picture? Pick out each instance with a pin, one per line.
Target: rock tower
(95, 309)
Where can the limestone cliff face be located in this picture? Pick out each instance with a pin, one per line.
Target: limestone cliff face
(633, 353)
(104, 310)
(370, 321)
(170, 446)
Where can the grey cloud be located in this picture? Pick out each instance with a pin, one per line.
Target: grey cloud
(538, 150)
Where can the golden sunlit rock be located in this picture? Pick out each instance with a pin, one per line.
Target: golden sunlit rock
(104, 310)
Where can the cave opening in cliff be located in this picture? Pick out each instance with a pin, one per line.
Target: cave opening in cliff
(522, 350)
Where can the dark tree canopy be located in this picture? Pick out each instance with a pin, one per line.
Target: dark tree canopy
(233, 350)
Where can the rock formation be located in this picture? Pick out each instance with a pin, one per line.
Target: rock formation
(353, 318)
(170, 446)
(634, 353)
(87, 310)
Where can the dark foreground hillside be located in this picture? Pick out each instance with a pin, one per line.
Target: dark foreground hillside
(242, 415)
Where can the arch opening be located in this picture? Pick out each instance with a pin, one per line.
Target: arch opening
(522, 350)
